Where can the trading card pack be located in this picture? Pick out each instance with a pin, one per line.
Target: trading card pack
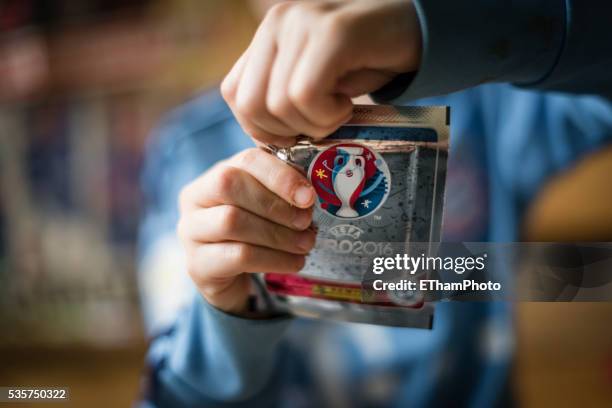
(380, 183)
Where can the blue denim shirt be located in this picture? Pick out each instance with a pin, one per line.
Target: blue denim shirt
(506, 143)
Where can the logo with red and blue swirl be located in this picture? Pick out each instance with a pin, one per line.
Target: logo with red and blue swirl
(351, 180)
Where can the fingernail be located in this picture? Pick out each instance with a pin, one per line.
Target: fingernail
(303, 196)
(302, 219)
(305, 241)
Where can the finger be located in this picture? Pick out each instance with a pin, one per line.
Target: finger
(230, 223)
(229, 85)
(260, 134)
(277, 100)
(233, 186)
(229, 89)
(223, 260)
(278, 177)
(312, 87)
(251, 95)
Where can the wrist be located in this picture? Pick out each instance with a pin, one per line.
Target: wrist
(231, 297)
(250, 302)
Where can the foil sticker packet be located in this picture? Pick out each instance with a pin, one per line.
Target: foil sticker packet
(380, 182)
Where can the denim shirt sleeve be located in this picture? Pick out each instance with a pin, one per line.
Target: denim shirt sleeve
(211, 358)
(542, 44)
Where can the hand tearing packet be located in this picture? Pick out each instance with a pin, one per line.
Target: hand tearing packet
(380, 183)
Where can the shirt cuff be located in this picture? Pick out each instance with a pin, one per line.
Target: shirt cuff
(470, 43)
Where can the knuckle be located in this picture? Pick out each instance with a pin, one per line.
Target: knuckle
(240, 253)
(247, 104)
(300, 93)
(293, 17)
(299, 18)
(261, 136)
(181, 229)
(230, 219)
(226, 179)
(184, 197)
(283, 180)
(276, 236)
(278, 105)
(227, 90)
(298, 11)
(248, 157)
(278, 10)
(273, 206)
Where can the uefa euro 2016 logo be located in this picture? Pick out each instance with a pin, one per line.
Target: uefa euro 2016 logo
(351, 180)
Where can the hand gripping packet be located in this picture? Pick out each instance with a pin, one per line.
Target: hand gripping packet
(380, 183)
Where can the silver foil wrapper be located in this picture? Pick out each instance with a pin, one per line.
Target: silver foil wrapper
(380, 182)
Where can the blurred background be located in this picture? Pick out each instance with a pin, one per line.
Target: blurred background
(82, 83)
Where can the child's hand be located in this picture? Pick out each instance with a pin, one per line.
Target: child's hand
(309, 58)
(250, 213)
